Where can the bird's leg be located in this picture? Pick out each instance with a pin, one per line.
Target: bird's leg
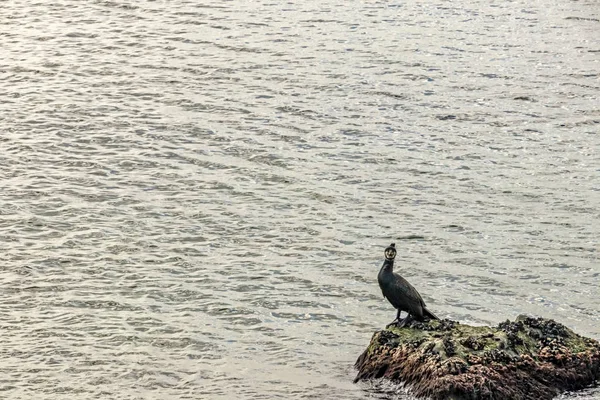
(401, 321)
(397, 321)
(402, 324)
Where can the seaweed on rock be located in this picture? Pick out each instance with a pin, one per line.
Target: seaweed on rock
(530, 358)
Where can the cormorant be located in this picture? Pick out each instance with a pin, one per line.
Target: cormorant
(402, 295)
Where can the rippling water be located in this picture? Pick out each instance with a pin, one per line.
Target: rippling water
(195, 196)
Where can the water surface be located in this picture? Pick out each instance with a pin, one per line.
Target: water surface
(195, 196)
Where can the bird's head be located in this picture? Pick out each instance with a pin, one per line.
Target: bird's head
(390, 252)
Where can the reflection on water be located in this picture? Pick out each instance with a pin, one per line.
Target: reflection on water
(196, 196)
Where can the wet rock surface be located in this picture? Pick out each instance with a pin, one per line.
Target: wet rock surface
(529, 358)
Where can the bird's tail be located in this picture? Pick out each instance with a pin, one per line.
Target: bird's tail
(429, 314)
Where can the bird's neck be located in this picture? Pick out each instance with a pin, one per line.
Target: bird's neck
(388, 266)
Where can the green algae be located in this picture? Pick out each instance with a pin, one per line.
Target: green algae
(459, 341)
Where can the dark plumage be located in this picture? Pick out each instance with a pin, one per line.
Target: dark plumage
(402, 295)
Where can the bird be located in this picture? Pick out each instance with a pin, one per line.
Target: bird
(401, 294)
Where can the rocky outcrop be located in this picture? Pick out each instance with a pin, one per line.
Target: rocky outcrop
(530, 358)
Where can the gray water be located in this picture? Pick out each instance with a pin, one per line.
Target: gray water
(195, 196)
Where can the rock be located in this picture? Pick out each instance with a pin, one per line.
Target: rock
(530, 358)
